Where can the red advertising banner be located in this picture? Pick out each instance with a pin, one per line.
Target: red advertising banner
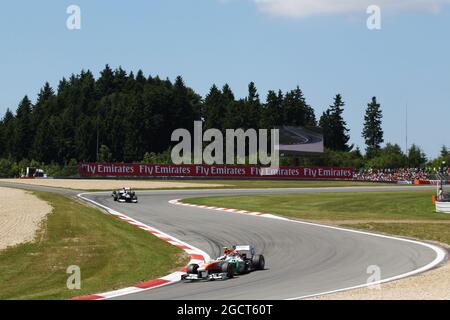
(211, 171)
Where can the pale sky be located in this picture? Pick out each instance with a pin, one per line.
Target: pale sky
(324, 46)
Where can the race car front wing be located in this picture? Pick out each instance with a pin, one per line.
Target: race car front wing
(205, 275)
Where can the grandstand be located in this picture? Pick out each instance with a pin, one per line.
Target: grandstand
(404, 175)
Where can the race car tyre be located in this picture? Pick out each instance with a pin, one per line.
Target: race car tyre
(228, 269)
(258, 262)
(192, 269)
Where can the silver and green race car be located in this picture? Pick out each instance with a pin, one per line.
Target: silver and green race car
(239, 260)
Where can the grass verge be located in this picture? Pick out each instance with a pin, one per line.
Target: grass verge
(395, 205)
(110, 253)
(439, 232)
(249, 184)
(404, 213)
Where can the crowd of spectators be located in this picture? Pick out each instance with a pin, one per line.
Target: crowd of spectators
(392, 175)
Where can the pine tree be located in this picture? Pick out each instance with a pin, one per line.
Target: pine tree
(120, 79)
(87, 93)
(444, 152)
(44, 106)
(296, 111)
(334, 127)
(63, 85)
(227, 93)
(252, 111)
(45, 148)
(183, 112)
(140, 81)
(253, 95)
(310, 116)
(373, 132)
(214, 109)
(293, 108)
(85, 139)
(45, 94)
(272, 115)
(326, 124)
(105, 84)
(8, 133)
(23, 132)
(156, 101)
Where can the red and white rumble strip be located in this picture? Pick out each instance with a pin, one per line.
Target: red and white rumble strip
(245, 212)
(197, 256)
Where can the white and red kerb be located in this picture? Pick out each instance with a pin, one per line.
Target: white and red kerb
(197, 257)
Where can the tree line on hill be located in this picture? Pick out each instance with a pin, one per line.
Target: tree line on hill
(127, 117)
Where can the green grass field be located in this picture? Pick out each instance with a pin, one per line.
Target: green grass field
(288, 183)
(398, 205)
(111, 254)
(439, 232)
(404, 213)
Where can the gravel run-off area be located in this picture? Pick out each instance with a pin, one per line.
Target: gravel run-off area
(21, 214)
(430, 285)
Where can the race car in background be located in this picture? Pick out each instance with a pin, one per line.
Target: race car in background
(239, 260)
(125, 195)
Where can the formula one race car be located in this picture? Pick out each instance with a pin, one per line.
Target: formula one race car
(239, 260)
(125, 195)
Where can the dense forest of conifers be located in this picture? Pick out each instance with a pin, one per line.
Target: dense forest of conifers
(127, 117)
(132, 115)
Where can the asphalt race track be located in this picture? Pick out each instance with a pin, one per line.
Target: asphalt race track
(301, 259)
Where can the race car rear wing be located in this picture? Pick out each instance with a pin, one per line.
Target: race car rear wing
(248, 248)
